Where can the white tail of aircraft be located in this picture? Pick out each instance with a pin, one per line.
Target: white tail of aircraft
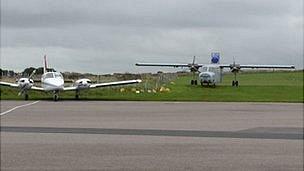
(44, 64)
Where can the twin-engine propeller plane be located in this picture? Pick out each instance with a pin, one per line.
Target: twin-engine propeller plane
(211, 74)
(52, 81)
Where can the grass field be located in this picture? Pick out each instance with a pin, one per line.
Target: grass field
(254, 87)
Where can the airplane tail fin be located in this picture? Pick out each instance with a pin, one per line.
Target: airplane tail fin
(45, 65)
(215, 58)
(193, 61)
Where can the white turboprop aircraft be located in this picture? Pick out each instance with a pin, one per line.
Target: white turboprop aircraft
(54, 82)
(211, 74)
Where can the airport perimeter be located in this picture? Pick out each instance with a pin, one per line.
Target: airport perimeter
(116, 135)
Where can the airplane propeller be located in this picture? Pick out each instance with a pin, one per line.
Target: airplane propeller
(193, 62)
(193, 66)
(26, 83)
(32, 74)
(235, 68)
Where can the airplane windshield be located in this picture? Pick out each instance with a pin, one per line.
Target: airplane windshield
(58, 75)
(204, 69)
(211, 69)
(49, 75)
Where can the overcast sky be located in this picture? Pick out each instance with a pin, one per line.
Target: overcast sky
(106, 36)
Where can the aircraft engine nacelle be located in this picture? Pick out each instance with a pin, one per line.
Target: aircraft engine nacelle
(83, 83)
(235, 67)
(25, 83)
(193, 67)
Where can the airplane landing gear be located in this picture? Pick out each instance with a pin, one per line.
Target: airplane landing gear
(213, 85)
(193, 82)
(26, 96)
(235, 82)
(56, 96)
(77, 95)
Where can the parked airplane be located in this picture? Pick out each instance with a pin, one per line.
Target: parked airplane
(211, 74)
(54, 82)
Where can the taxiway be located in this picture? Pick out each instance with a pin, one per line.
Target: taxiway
(106, 135)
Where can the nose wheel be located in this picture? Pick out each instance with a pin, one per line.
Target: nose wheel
(56, 96)
(193, 82)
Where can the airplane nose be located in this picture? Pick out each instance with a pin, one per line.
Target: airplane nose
(58, 83)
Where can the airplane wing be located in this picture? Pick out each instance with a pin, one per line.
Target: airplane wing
(116, 83)
(37, 88)
(17, 86)
(259, 66)
(9, 84)
(165, 64)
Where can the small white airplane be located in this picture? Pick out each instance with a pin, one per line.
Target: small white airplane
(54, 82)
(211, 74)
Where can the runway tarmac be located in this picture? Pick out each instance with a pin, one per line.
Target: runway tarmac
(99, 135)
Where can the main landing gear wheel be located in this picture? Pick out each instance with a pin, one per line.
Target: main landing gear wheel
(26, 96)
(77, 95)
(56, 97)
(235, 83)
(193, 82)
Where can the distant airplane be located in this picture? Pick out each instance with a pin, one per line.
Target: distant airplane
(211, 74)
(52, 81)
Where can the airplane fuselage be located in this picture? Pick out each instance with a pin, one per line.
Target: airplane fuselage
(210, 75)
(52, 81)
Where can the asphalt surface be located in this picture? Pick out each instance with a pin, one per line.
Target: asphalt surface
(90, 135)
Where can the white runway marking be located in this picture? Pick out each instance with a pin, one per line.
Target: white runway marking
(17, 107)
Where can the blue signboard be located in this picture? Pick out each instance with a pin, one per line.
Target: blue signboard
(215, 57)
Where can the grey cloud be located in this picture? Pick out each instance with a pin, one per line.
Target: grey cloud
(82, 35)
(183, 14)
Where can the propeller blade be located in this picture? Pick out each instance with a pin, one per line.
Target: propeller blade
(21, 92)
(32, 74)
(193, 62)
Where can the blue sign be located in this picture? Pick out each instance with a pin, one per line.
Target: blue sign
(215, 58)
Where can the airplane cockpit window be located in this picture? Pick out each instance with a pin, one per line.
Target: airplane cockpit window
(204, 69)
(211, 69)
(58, 75)
(49, 75)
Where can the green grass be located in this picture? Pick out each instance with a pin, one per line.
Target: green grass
(254, 87)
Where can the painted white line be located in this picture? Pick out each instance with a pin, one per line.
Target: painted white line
(17, 107)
